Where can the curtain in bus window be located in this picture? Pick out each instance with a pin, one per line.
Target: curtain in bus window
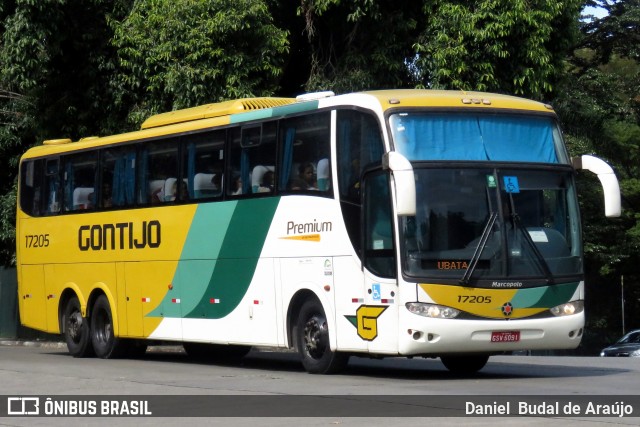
(450, 137)
(518, 139)
(287, 157)
(124, 176)
(191, 168)
(373, 145)
(244, 171)
(143, 178)
(441, 138)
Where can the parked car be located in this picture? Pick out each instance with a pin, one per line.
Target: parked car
(627, 346)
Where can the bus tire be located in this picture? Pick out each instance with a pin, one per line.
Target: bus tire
(105, 344)
(312, 341)
(465, 365)
(76, 329)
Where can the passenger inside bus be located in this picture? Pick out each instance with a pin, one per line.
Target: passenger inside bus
(262, 179)
(266, 186)
(173, 193)
(206, 185)
(236, 185)
(305, 179)
(82, 198)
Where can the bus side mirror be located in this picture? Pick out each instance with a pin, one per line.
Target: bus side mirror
(404, 181)
(607, 177)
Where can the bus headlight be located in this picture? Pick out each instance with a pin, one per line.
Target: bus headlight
(432, 310)
(568, 308)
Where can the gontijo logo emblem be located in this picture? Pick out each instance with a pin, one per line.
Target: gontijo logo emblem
(366, 321)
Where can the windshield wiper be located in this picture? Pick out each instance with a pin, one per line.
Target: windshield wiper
(484, 238)
(536, 252)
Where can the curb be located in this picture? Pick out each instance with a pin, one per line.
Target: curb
(45, 344)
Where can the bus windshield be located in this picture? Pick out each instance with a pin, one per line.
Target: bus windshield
(487, 223)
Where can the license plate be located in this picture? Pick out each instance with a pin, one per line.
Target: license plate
(505, 336)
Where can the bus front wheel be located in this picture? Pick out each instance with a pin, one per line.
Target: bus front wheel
(312, 341)
(465, 365)
(76, 329)
(105, 343)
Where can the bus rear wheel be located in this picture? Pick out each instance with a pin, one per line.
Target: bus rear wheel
(105, 343)
(312, 341)
(465, 365)
(76, 329)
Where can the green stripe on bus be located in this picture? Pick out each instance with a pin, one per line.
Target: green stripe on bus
(545, 297)
(274, 112)
(219, 258)
(243, 242)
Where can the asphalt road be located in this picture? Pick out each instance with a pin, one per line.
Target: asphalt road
(277, 379)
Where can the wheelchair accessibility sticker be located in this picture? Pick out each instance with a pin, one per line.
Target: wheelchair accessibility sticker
(375, 291)
(511, 184)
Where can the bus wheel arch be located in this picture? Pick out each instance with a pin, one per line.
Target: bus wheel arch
(75, 328)
(293, 312)
(309, 330)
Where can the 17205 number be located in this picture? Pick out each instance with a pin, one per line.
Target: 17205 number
(37, 240)
(475, 299)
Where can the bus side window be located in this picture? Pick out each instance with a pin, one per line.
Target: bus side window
(79, 173)
(378, 226)
(359, 145)
(203, 164)
(118, 177)
(31, 187)
(158, 161)
(253, 150)
(305, 153)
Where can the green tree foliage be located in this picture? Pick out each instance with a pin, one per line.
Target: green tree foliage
(180, 53)
(360, 44)
(510, 46)
(599, 106)
(54, 68)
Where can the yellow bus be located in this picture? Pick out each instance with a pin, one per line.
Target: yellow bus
(387, 223)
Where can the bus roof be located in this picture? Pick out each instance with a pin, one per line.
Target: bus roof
(454, 99)
(240, 110)
(219, 109)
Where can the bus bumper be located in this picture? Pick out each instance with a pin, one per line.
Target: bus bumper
(425, 336)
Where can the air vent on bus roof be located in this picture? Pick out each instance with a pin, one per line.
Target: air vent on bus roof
(57, 141)
(214, 110)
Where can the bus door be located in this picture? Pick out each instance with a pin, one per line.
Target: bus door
(378, 317)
